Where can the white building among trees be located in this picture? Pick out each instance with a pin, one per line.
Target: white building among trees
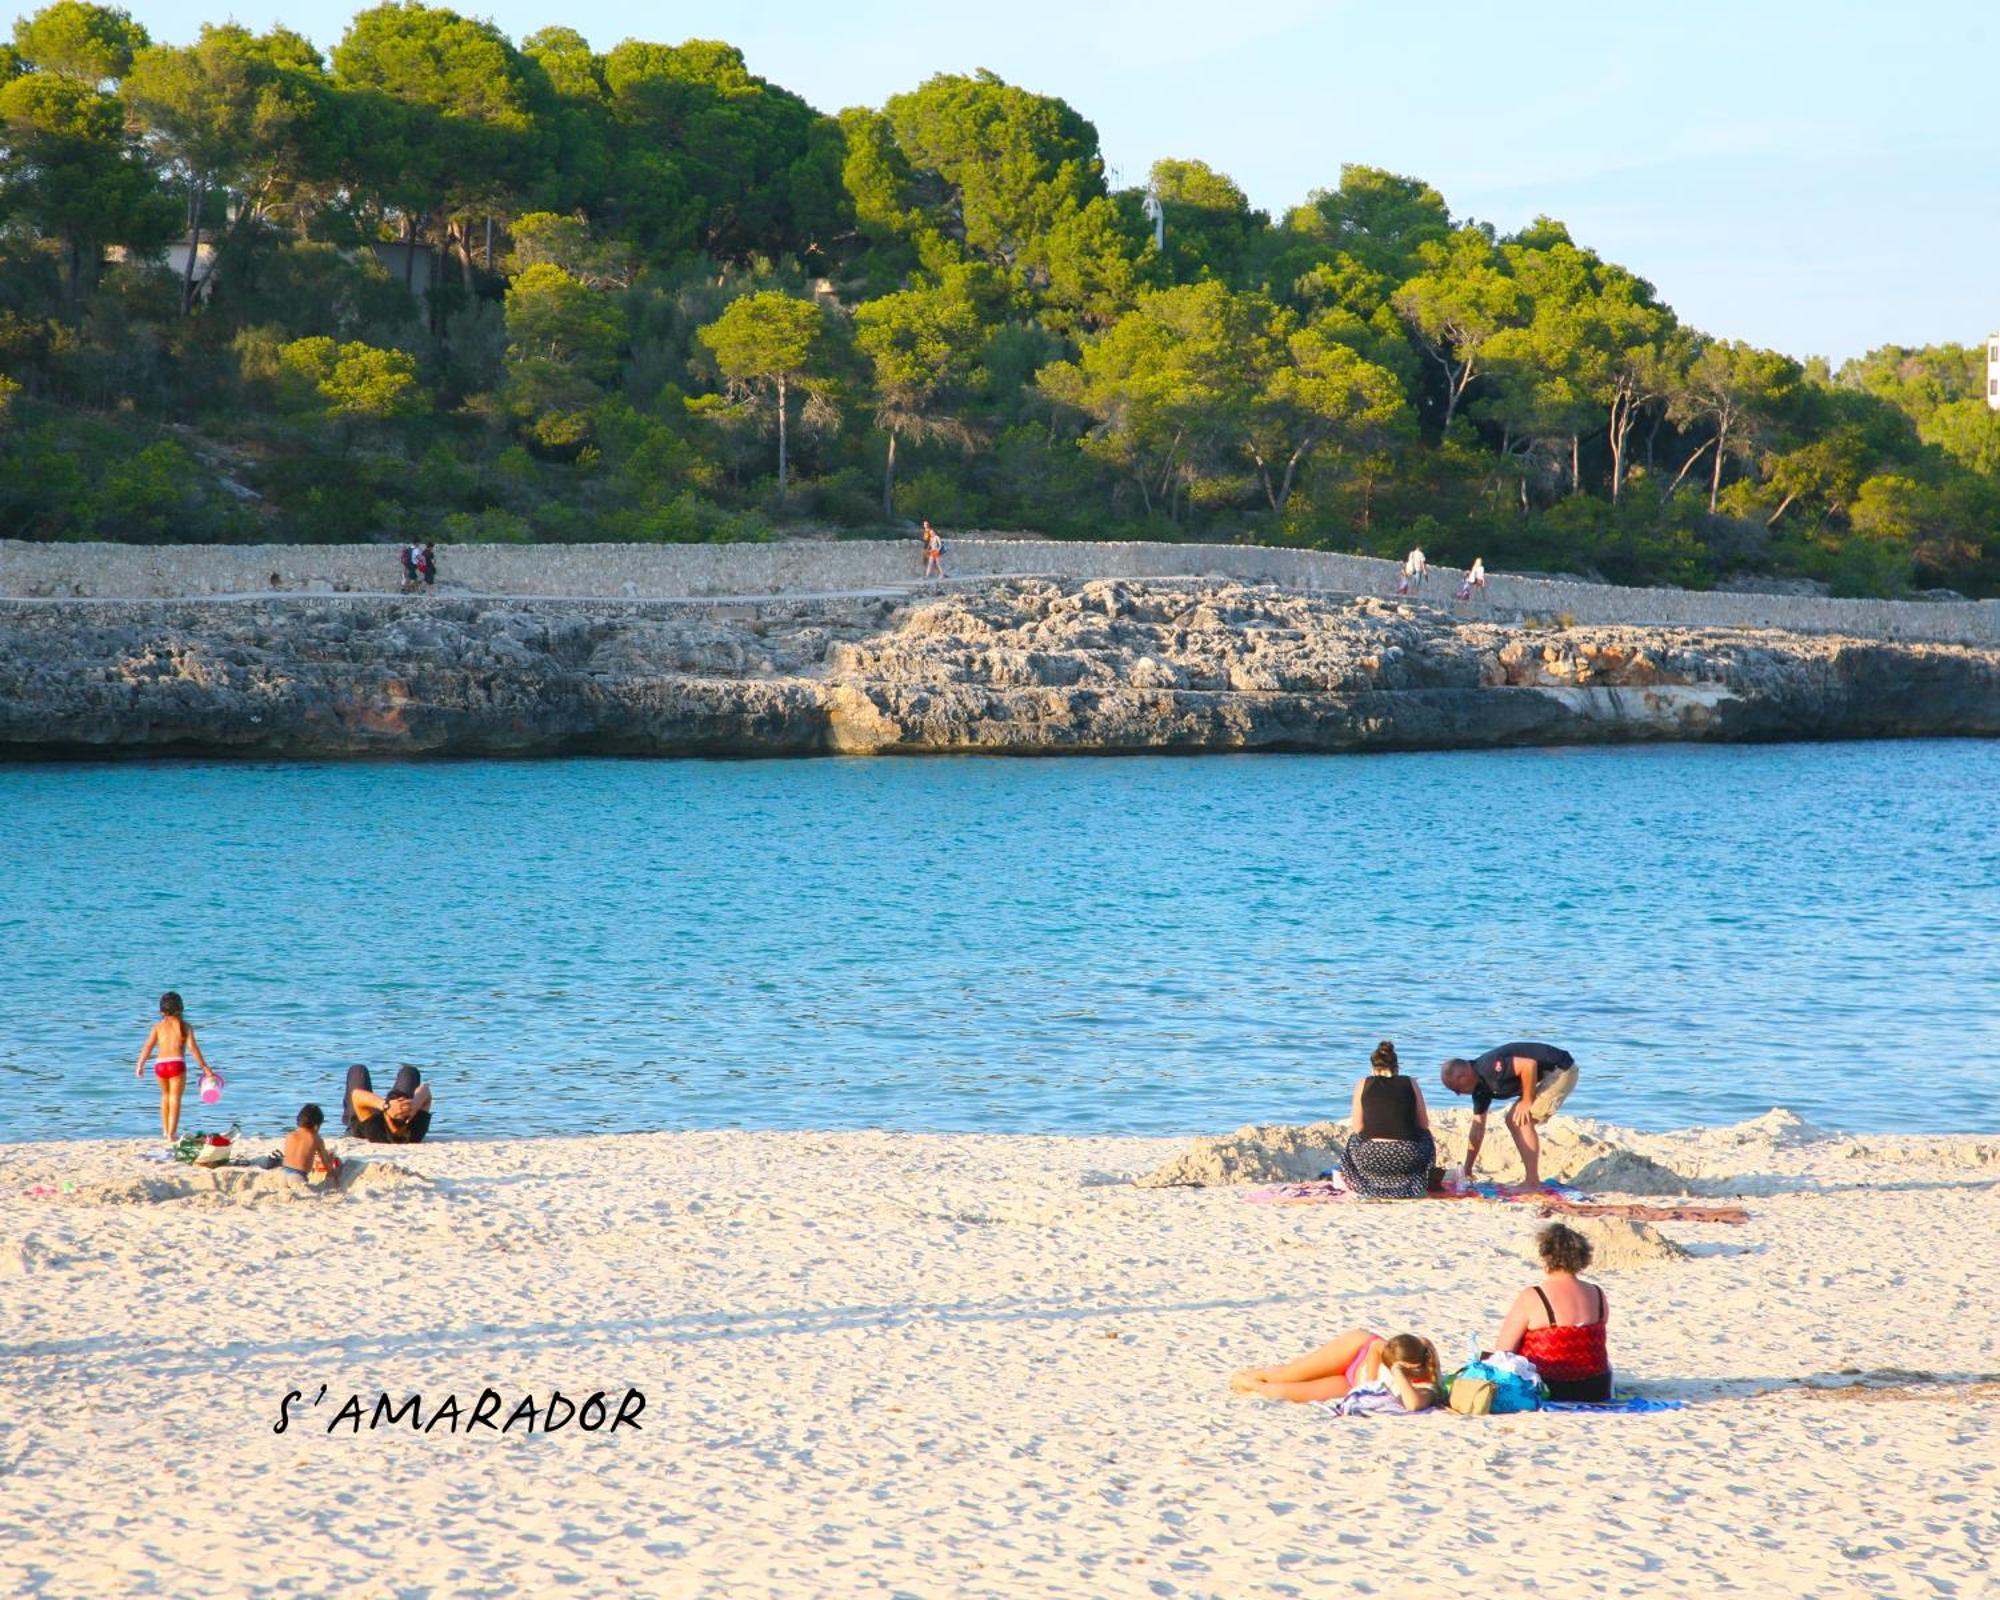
(1993, 372)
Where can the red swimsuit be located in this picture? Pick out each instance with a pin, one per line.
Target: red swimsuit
(1573, 1362)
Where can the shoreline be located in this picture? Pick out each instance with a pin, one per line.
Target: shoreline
(1028, 1362)
(1767, 1153)
(1780, 1121)
(1011, 667)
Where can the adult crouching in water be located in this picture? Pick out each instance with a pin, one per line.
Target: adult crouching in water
(1559, 1323)
(1536, 1077)
(1390, 1153)
(403, 1116)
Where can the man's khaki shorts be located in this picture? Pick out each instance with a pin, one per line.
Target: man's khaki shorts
(1550, 1094)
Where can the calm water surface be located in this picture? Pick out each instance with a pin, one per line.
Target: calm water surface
(1158, 946)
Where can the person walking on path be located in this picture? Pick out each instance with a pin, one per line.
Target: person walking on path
(1416, 570)
(1537, 1077)
(174, 1040)
(428, 564)
(1474, 579)
(409, 553)
(933, 553)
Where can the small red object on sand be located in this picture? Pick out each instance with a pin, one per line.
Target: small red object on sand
(218, 1141)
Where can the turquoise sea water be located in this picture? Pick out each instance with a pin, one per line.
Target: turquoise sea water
(1140, 945)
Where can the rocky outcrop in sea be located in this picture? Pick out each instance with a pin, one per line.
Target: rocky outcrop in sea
(1020, 666)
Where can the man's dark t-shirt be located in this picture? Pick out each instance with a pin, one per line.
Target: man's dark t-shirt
(375, 1129)
(1499, 1081)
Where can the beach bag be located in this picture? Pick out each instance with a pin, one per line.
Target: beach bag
(1511, 1390)
(1472, 1397)
(209, 1149)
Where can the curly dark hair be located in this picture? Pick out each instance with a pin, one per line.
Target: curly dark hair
(1562, 1249)
(1384, 1059)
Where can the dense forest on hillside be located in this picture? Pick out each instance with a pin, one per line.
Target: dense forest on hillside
(441, 283)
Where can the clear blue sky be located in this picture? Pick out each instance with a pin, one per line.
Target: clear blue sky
(1819, 177)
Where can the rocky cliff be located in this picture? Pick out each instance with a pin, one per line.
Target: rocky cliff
(1022, 666)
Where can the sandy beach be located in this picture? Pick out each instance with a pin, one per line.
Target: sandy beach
(957, 1365)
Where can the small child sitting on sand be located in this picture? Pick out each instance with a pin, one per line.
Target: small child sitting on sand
(1406, 1364)
(304, 1148)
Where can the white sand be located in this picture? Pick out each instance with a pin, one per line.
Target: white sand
(940, 1366)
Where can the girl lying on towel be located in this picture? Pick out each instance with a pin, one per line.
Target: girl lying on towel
(1405, 1365)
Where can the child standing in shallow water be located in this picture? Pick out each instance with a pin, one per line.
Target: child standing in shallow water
(174, 1040)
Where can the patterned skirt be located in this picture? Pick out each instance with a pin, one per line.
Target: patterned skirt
(1389, 1169)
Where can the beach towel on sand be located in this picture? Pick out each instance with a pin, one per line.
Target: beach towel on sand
(1369, 1400)
(1375, 1400)
(1630, 1405)
(1644, 1213)
(1332, 1188)
(1298, 1194)
(1550, 1192)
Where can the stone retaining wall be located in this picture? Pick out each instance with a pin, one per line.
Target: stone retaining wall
(643, 571)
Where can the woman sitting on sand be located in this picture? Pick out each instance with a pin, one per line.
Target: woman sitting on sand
(1406, 1365)
(1391, 1152)
(1558, 1324)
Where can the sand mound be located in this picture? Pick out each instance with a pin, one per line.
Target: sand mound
(249, 1186)
(233, 1186)
(1618, 1244)
(377, 1178)
(370, 1179)
(1975, 1153)
(1622, 1171)
(1571, 1153)
(1272, 1154)
(1776, 1129)
(1278, 1153)
(130, 1192)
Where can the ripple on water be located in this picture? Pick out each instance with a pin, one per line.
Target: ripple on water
(1091, 946)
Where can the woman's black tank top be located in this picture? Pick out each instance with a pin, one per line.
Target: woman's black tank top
(1389, 1109)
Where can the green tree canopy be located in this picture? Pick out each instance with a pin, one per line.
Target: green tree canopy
(1379, 218)
(1739, 392)
(70, 172)
(768, 344)
(89, 44)
(923, 344)
(1210, 228)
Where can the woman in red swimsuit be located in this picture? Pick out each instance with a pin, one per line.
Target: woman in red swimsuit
(174, 1040)
(1558, 1324)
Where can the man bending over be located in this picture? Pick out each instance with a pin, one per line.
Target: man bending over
(1536, 1077)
